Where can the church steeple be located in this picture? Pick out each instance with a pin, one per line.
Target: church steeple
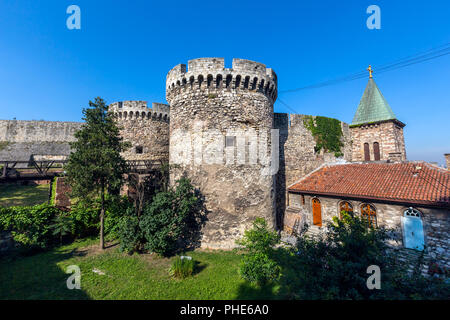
(373, 107)
(376, 132)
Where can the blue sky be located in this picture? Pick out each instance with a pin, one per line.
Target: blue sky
(125, 49)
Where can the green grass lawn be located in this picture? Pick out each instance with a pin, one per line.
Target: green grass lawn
(42, 276)
(21, 195)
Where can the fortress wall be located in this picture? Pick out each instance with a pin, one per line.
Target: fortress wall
(19, 139)
(297, 155)
(37, 131)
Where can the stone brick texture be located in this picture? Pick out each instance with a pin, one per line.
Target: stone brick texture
(20, 139)
(388, 134)
(145, 128)
(207, 96)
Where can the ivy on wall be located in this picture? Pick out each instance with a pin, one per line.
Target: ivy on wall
(327, 133)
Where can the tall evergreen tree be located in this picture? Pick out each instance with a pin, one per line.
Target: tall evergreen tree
(96, 167)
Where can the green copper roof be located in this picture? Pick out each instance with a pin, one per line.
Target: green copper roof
(373, 107)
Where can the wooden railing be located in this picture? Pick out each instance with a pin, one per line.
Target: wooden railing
(17, 170)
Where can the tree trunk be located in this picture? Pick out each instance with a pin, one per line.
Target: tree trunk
(102, 217)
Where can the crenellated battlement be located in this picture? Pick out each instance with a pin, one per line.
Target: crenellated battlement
(211, 74)
(136, 109)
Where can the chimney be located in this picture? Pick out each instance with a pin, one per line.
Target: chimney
(394, 157)
(447, 160)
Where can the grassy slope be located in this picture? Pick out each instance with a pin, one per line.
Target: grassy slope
(19, 195)
(42, 276)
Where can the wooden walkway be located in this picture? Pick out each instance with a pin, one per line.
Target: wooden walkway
(44, 170)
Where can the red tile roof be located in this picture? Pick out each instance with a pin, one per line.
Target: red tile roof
(409, 182)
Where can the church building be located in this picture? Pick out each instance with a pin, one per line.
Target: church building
(379, 185)
(376, 132)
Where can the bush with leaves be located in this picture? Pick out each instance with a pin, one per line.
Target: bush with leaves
(62, 226)
(172, 220)
(129, 233)
(86, 220)
(258, 264)
(29, 226)
(334, 265)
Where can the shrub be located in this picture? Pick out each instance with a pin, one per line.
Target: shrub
(182, 267)
(29, 226)
(85, 220)
(62, 225)
(129, 233)
(334, 265)
(171, 221)
(117, 208)
(85, 215)
(257, 264)
(259, 268)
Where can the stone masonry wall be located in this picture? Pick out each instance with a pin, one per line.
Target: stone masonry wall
(297, 155)
(389, 135)
(147, 129)
(207, 104)
(20, 139)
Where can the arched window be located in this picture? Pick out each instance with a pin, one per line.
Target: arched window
(238, 81)
(376, 151)
(366, 152)
(246, 82)
(345, 206)
(210, 80)
(413, 235)
(255, 81)
(317, 212)
(219, 81)
(200, 80)
(369, 213)
(228, 80)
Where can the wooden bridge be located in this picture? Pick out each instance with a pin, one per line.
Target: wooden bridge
(47, 169)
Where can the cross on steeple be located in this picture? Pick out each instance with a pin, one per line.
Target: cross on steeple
(370, 71)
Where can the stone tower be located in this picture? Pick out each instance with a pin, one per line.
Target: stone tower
(220, 137)
(147, 129)
(376, 133)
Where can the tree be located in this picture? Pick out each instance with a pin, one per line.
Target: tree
(173, 219)
(62, 225)
(96, 167)
(257, 264)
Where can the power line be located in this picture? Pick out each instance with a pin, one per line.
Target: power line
(404, 62)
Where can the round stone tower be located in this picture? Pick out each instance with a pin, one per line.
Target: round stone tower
(147, 129)
(221, 123)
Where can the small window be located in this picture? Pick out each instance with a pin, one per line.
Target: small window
(369, 213)
(376, 151)
(366, 152)
(345, 207)
(303, 199)
(139, 149)
(230, 141)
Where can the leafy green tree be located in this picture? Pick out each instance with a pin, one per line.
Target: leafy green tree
(173, 219)
(62, 225)
(96, 166)
(258, 243)
(334, 265)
